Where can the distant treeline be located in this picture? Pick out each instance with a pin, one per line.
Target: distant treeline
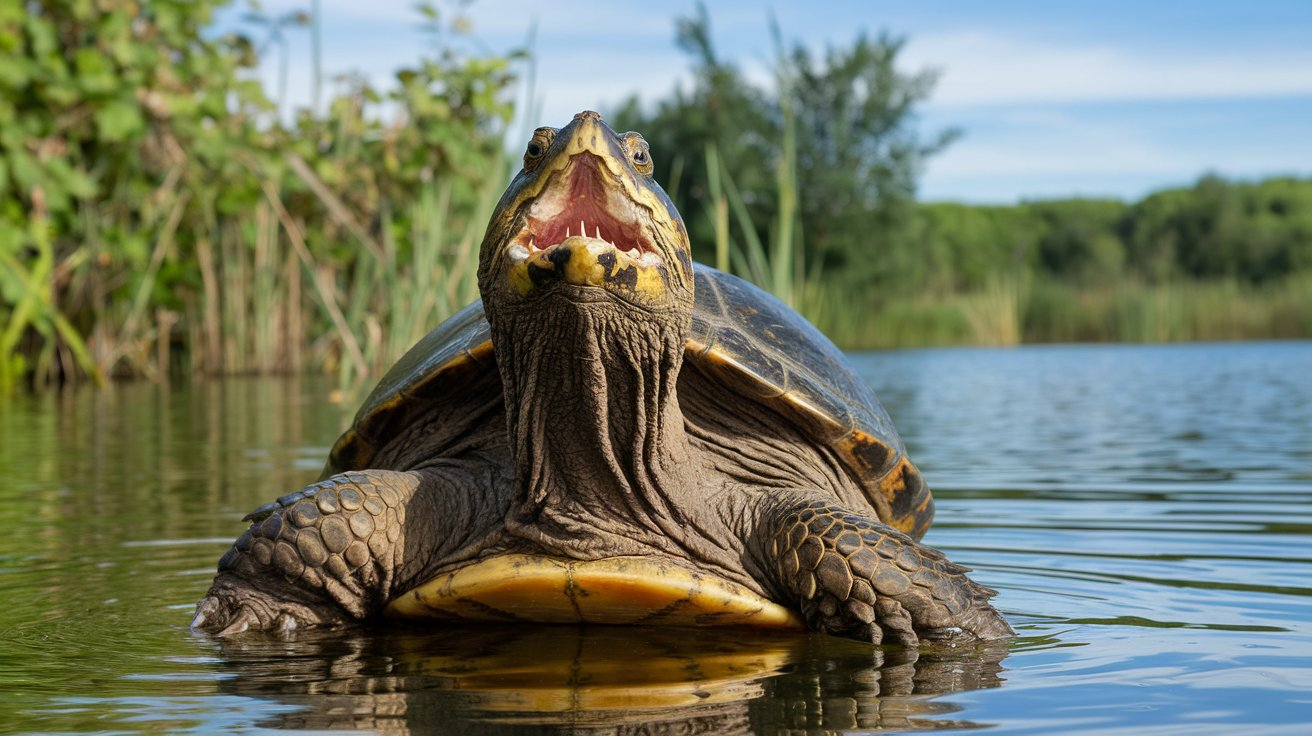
(808, 185)
(1253, 233)
(1218, 260)
(159, 216)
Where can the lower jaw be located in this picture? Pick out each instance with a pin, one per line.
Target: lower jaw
(584, 263)
(614, 590)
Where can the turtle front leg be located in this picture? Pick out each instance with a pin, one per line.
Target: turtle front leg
(337, 550)
(854, 576)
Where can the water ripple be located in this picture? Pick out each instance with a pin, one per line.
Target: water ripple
(1145, 513)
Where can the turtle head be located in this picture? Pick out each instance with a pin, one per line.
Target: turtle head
(585, 219)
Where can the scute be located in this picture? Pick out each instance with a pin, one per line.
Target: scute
(766, 350)
(430, 371)
(745, 336)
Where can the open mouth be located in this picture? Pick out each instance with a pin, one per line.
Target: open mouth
(585, 206)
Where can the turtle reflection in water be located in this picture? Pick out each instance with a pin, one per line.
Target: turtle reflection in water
(520, 678)
(595, 443)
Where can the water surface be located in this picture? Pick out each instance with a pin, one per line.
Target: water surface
(1144, 511)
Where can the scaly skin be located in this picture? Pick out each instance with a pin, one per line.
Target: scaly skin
(857, 577)
(338, 541)
(339, 550)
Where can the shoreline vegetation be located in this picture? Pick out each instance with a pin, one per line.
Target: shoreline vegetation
(159, 214)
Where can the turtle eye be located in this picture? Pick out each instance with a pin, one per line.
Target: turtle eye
(638, 152)
(537, 146)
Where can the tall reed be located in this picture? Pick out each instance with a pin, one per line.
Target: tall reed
(376, 304)
(35, 308)
(1172, 311)
(776, 264)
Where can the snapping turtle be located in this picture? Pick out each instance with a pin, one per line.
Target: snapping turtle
(593, 443)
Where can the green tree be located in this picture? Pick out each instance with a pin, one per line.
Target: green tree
(857, 153)
(1223, 229)
(1080, 239)
(964, 248)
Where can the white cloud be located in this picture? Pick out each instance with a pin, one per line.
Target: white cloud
(598, 37)
(988, 69)
(345, 10)
(1038, 114)
(1046, 153)
(501, 21)
(1051, 141)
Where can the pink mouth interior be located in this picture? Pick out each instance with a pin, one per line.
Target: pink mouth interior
(586, 209)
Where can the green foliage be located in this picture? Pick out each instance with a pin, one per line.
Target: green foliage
(104, 109)
(151, 199)
(841, 128)
(1078, 240)
(1176, 310)
(961, 248)
(1219, 260)
(158, 214)
(1250, 232)
(26, 288)
(1219, 229)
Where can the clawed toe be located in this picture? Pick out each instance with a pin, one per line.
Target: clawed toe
(209, 618)
(240, 626)
(895, 620)
(212, 617)
(203, 611)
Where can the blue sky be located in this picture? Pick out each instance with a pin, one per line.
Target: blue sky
(1054, 99)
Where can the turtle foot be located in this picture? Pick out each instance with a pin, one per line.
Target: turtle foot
(324, 554)
(233, 607)
(862, 579)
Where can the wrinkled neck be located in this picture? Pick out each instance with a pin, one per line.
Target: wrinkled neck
(594, 420)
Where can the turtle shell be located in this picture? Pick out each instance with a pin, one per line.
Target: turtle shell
(744, 336)
(434, 369)
(765, 349)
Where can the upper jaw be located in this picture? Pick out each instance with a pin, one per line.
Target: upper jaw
(584, 228)
(579, 204)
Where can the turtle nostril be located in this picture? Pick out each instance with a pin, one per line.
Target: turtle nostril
(560, 256)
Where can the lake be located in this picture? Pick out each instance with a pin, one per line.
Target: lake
(1145, 513)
